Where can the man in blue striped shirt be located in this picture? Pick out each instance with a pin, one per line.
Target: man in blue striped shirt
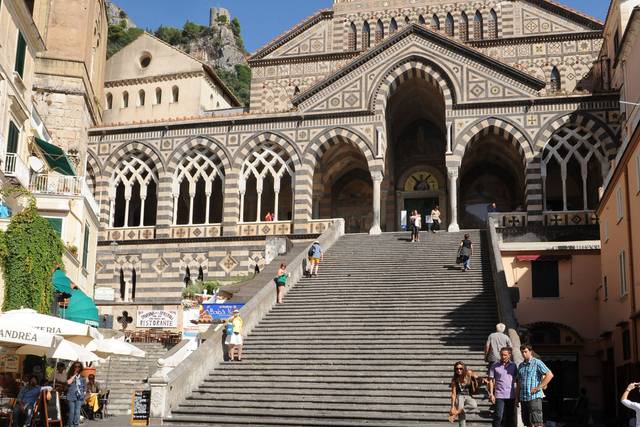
(533, 376)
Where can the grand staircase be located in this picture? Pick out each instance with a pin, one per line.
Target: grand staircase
(127, 374)
(371, 341)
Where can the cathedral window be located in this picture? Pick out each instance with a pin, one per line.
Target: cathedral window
(352, 41)
(141, 98)
(393, 26)
(448, 25)
(435, 23)
(464, 27)
(197, 189)
(158, 96)
(366, 36)
(133, 192)
(379, 31)
(407, 20)
(421, 20)
(556, 81)
(573, 165)
(175, 92)
(125, 99)
(109, 105)
(492, 25)
(477, 26)
(266, 184)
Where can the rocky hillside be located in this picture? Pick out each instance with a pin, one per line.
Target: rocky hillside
(219, 45)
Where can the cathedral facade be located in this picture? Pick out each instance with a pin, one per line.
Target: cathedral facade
(362, 112)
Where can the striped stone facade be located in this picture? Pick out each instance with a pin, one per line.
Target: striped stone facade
(329, 97)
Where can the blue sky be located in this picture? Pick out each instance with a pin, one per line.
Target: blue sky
(262, 20)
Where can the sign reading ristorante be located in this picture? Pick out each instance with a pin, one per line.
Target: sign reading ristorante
(157, 319)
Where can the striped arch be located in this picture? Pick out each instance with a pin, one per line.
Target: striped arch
(218, 149)
(409, 68)
(255, 141)
(149, 151)
(501, 127)
(321, 143)
(599, 130)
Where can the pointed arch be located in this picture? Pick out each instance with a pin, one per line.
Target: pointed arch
(352, 39)
(478, 26)
(435, 23)
(407, 20)
(492, 25)
(449, 25)
(141, 98)
(464, 27)
(555, 80)
(109, 101)
(366, 35)
(421, 20)
(175, 94)
(125, 99)
(158, 96)
(379, 31)
(393, 26)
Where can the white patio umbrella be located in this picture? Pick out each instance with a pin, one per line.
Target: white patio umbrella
(72, 331)
(15, 334)
(65, 350)
(114, 346)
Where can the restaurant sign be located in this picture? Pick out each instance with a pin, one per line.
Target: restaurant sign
(157, 319)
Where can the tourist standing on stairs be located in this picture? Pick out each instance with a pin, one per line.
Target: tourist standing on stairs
(533, 377)
(461, 393)
(495, 343)
(234, 340)
(316, 256)
(416, 221)
(281, 282)
(428, 219)
(502, 393)
(435, 216)
(466, 252)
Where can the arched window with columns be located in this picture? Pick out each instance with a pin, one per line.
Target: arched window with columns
(448, 25)
(492, 25)
(477, 26)
(366, 35)
(574, 163)
(464, 27)
(352, 42)
(379, 31)
(265, 184)
(133, 192)
(197, 188)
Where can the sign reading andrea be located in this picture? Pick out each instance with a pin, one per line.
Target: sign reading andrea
(157, 319)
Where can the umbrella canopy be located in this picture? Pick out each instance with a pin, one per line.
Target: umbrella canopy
(65, 350)
(114, 346)
(61, 283)
(81, 309)
(16, 334)
(77, 332)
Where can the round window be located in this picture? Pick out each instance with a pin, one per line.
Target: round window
(145, 60)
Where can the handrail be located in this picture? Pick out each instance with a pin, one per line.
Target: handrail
(169, 389)
(506, 312)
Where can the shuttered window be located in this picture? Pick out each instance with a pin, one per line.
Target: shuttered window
(13, 138)
(85, 247)
(21, 52)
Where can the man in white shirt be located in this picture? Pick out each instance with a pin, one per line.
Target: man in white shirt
(634, 406)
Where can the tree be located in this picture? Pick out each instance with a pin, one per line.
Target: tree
(171, 35)
(120, 36)
(30, 251)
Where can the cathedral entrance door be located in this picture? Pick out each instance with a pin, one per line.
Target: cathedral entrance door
(423, 205)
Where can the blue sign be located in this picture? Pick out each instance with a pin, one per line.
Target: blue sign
(221, 311)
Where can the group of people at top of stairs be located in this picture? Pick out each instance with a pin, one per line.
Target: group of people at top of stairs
(507, 385)
(432, 220)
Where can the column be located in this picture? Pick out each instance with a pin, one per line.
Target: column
(376, 176)
(175, 210)
(142, 202)
(452, 173)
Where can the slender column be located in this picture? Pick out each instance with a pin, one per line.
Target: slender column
(126, 211)
(376, 176)
(112, 211)
(564, 187)
(208, 208)
(449, 138)
(241, 207)
(584, 186)
(175, 210)
(142, 200)
(452, 173)
(259, 206)
(275, 209)
(192, 196)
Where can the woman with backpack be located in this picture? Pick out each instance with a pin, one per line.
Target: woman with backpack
(315, 257)
(464, 385)
(281, 282)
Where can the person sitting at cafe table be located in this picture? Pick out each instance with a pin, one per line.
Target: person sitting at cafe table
(26, 400)
(92, 397)
(59, 376)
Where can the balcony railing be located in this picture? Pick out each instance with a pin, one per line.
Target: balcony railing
(550, 218)
(14, 167)
(62, 185)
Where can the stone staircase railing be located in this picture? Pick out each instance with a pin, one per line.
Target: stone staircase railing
(170, 388)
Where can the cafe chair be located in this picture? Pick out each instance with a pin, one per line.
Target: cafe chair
(104, 402)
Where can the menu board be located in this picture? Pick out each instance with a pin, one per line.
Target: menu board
(140, 407)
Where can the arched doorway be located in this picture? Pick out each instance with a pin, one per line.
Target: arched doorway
(492, 171)
(342, 187)
(416, 146)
